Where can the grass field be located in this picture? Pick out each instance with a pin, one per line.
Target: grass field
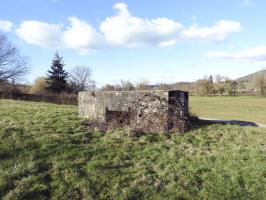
(230, 108)
(46, 154)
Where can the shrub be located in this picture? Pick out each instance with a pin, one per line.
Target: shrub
(39, 86)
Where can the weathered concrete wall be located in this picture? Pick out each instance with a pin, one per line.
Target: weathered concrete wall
(153, 109)
(93, 105)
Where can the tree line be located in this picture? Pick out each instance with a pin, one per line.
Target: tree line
(58, 80)
(220, 85)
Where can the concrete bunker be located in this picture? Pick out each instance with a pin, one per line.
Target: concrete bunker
(154, 111)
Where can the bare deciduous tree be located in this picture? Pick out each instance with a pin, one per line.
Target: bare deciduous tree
(80, 79)
(127, 85)
(260, 83)
(203, 87)
(12, 65)
(142, 85)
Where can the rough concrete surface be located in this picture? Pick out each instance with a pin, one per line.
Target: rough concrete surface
(150, 111)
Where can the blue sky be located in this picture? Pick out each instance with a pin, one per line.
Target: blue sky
(160, 41)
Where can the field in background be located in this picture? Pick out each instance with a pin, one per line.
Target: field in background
(46, 154)
(249, 108)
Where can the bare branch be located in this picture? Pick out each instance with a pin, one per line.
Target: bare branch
(12, 65)
(80, 79)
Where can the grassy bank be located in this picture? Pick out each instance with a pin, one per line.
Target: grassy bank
(230, 108)
(46, 154)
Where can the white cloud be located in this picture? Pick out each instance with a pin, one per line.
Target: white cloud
(130, 31)
(40, 33)
(248, 3)
(124, 29)
(81, 36)
(254, 54)
(218, 32)
(6, 26)
(120, 30)
(122, 8)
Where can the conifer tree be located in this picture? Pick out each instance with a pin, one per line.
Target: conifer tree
(56, 76)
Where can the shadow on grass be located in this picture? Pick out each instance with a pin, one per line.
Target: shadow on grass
(199, 122)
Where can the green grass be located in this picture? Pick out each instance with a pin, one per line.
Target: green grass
(46, 154)
(230, 108)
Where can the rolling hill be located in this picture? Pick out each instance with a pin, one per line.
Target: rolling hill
(250, 77)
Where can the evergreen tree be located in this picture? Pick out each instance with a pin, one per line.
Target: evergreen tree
(56, 77)
(211, 85)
